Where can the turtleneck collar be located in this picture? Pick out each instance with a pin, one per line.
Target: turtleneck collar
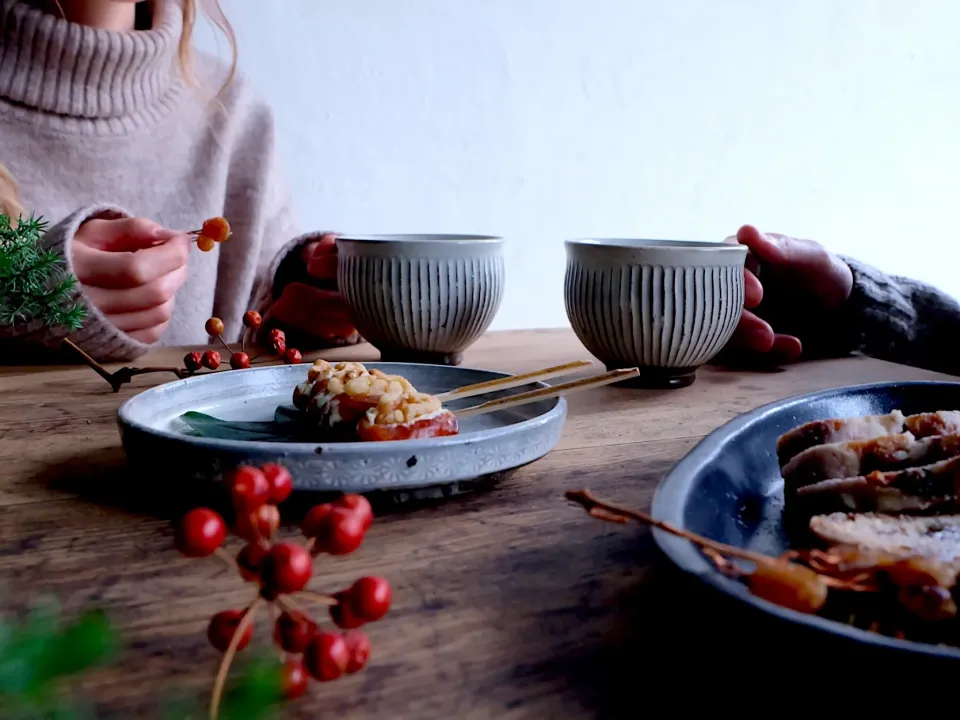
(60, 67)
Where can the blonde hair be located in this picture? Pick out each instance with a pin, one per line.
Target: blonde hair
(10, 202)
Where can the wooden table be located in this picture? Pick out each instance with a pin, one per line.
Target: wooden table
(508, 603)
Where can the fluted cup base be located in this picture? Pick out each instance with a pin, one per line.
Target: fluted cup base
(419, 357)
(654, 378)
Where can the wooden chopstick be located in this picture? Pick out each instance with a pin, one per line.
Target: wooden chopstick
(544, 393)
(513, 381)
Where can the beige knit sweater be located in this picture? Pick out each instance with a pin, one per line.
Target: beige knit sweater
(96, 123)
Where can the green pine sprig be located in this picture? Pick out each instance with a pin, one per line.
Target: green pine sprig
(42, 652)
(34, 284)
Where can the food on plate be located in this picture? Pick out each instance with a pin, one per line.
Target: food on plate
(937, 536)
(930, 488)
(867, 427)
(347, 402)
(324, 381)
(880, 498)
(413, 415)
(853, 458)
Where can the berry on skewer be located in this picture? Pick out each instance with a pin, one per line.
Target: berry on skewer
(215, 230)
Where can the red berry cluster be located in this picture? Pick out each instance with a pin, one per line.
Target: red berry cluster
(239, 360)
(282, 571)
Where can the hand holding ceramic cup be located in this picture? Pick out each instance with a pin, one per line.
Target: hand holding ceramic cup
(421, 298)
(667, 307)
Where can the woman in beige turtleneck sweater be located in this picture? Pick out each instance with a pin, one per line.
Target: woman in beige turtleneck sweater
(112, 130)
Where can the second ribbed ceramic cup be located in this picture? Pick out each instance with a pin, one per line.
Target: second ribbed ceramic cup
(664, 306)
(421, 298)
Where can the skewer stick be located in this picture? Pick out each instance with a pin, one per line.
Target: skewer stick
(513, 381)
(513, 401)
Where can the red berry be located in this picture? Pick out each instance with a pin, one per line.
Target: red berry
(340, 532)
(193, 361)
(259, 525)
(369, 598)
(205, 243)
(239, 361)
(292, 356)
(200, 533)
(211, 359)
(252, 319)
(359, 505)
(268, 520)
(327, 656)
(250, 561)
(222, 628)
(295, 679)
(277, 334)
(281, 482)
(217, 229)
(288, 568)
(342, 615)
(278, 346)
(214, 326)
(313, 522)
(358, 648)
(249, 487)
(294, 631)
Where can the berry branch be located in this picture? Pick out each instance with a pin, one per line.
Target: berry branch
(801, 579)
(281, 572)
(245, 624)
(194, 362)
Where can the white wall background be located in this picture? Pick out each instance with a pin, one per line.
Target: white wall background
(544, 119)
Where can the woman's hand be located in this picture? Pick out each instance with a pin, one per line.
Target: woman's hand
(319, 312)
(792, 288)
(131, 270)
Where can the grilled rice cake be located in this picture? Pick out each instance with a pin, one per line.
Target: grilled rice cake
(929, 489)
(937, 537)
(866, 427)
(854, 458)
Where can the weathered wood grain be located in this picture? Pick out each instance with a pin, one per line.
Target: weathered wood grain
(509, 603)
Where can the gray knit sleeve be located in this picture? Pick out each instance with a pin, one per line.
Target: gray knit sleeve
(33, 342)
(901, 320)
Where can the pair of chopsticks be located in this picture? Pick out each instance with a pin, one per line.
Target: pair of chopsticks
(513, 381)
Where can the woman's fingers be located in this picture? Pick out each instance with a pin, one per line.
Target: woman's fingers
(753, 334)
(321, 313)
(754, 343)
(124, 235)
(752, 290)
(150, 335)
(124, 270)
(321, 258)
(145, 297)
(768, 249)
(786, 349)
(144, 319)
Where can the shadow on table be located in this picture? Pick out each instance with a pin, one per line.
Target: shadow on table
(679, 640)
(663, 638)
(105, 478)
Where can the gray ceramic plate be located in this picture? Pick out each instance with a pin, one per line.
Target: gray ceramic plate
(155, 438)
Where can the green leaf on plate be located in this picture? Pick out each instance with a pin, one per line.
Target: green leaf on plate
(287, 426)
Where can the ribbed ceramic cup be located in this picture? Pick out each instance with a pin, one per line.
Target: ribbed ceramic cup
(421, 298)
(664, 306)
